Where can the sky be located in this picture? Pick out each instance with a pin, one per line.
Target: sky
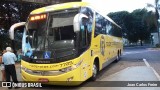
(119, 5)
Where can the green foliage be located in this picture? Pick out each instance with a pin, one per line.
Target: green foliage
(136, 25)
(123, 19)
(10, 13)
(158, 45)
(4, 39)
(139, 26)
(151, 21)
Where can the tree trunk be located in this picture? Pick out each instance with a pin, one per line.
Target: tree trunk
(141, 43)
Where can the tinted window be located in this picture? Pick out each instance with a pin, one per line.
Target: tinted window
(104, 26)
(86, 27)
(98, 24)
(115, 31)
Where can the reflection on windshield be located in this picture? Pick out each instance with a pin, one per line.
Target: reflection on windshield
(61, 29)
(36, 34)
(61, 34)
(58, 38)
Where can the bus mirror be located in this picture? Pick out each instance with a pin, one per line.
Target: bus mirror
(77, 21)
(13, 27)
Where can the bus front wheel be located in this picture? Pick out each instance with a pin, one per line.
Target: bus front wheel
(94, 71)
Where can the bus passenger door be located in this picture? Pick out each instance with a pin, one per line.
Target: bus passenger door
(85, 39)
(86, 25)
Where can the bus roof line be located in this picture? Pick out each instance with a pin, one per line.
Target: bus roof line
(79, 4)
(108, 18)
(58, 6)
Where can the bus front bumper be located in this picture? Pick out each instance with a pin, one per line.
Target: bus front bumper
(69, 78)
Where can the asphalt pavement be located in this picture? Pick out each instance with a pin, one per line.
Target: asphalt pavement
(140, 63)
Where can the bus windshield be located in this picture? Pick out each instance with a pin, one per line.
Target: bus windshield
(55, 34)
(61, 33)
(36, 33)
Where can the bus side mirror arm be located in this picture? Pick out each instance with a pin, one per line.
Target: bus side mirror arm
(13, 27)
(77, 20)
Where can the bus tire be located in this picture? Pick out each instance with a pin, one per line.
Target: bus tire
(118, 56)
(94, 71)
(120, 53)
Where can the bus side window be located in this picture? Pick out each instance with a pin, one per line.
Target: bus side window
(83, 41)
(108, 27)
(100, 25)
(115, 31)
(86, 26)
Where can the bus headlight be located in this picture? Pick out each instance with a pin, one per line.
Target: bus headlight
(70, 68)
(51, 72)
(23, 68)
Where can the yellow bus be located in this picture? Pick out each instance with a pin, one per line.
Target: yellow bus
(68, 42)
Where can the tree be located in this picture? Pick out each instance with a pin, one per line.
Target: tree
(156, 6)
(139, 26)
(125, 20)
(122, 18)
(151, 20)
(136, 25)
(4, 39)
(10, 13)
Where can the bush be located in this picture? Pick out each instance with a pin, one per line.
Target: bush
(158, 45)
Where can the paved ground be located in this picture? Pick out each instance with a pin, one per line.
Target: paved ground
(143, 61)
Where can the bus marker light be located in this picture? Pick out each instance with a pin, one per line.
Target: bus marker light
(38, 17)
(42, 16)
(32, 19)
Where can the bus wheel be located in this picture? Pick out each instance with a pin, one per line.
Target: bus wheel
(118, 57)
(94, 72)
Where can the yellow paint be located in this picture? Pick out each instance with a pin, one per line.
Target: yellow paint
(84, 71)
(59, 7)
(46, 67)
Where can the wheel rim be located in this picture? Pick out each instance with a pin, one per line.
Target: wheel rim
(94, 70)
(118, 57)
